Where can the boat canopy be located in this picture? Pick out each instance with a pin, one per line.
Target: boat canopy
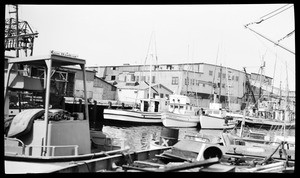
(26, 83)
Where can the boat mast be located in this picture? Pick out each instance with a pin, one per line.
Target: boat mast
(286, 103)
(220, 83)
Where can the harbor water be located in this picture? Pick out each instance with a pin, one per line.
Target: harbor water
(139, 137)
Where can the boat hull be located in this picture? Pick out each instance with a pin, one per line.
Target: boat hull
(132, 116)
(179, 120)
(265, 123)
(212, 122)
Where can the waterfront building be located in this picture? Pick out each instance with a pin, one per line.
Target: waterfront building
(199, 81)
(131, 93)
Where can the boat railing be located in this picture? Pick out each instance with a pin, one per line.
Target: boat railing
(14, 146)
(51, 149)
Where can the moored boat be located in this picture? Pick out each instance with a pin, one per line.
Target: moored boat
(215, 118)
(180, 113)
(149, 114)
(38, 140)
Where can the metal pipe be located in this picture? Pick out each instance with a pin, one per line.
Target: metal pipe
(49, 65)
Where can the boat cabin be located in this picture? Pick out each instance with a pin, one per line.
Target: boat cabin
(152, 105)
(215, 109)
(33, 132)
(180, 104)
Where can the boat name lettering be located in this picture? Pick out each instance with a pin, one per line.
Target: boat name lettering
(64, 54)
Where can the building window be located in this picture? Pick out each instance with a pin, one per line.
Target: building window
(113, 77)
(153, 95)
(174, 80)
(169, 67)
(167, 96)
(219, 75)
(224, 75)
(210, 72)
(187, 81)
(203, 84)
(113, 68)
(137, 78)
(132, 77)
(237, 78)
(161, 95)
(153, 79)
(223, 85)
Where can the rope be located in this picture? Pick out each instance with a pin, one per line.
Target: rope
(274, 11)
(286, 36)
(276, 14)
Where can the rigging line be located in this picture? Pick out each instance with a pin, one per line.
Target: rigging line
(271, 41)
(276, 14)
(286, 36)
(274, 11)
(215, 70)
(148, 48)
(275, 53)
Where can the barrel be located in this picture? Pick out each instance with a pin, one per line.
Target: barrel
(168, 136)
(209, 151)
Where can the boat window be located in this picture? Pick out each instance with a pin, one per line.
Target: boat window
(176, 106)
(209, 112)
(172, 106)
(181, 107)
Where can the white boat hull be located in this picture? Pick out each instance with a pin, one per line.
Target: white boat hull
(132, 116)
(179, 120)
(212, 122)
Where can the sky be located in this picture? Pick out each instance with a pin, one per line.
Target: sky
(117, 34)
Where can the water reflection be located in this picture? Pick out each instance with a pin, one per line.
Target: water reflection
(139, 137)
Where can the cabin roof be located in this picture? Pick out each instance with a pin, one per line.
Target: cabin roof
(57, 60)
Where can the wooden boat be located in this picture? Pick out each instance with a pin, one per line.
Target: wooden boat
(150, 115)
(215, 118)
(153, 160)
(259, 122)
(180, 113)
(40, 139)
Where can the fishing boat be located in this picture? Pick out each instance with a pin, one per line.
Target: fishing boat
(148, 113)
(41, 139)
(149, 108)
(267, 116)
(185, 156)
(180, 113)
(216, 118)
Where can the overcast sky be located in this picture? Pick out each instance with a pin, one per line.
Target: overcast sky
(214, 34)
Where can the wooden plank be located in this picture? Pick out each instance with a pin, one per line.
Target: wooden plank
(146, 163)
(195, 164)
(139, 169)
(172, 156)
(218, 168)
(183, 166)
